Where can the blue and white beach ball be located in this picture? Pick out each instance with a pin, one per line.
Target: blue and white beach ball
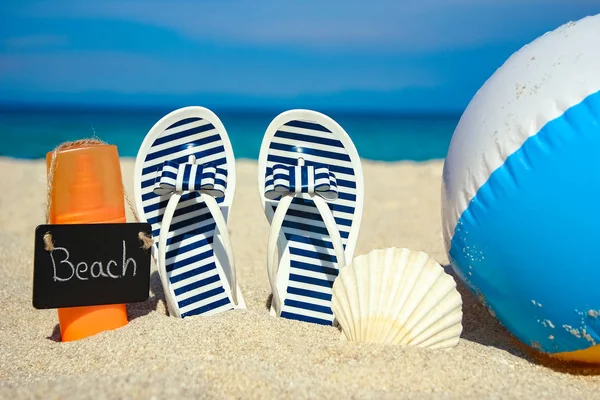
(521, 193)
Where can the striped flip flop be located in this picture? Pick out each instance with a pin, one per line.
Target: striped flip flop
(311, 184)
(184, 184)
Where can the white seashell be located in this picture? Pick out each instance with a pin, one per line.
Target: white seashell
(397, 296)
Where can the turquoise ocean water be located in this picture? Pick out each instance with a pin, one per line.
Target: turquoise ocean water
(30, 133)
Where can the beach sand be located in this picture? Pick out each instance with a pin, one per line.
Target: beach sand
(249, 354)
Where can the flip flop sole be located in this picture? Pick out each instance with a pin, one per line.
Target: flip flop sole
(194, 259)
(308, 265)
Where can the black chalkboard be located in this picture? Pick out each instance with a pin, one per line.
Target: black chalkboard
(91, 264)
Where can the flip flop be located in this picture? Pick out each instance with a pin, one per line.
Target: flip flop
(311, 184)
(184, 185)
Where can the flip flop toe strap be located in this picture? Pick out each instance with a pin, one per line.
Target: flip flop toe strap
(287, 182)
(210, 182)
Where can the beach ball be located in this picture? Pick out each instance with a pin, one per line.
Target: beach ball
(521, 193)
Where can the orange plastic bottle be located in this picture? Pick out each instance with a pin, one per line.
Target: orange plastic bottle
(87, 188)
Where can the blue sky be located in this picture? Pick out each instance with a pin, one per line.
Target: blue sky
(425, 55)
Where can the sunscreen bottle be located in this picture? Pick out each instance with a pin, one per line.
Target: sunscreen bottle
(87, 188)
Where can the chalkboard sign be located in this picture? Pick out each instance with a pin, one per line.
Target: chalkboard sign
(90, 264)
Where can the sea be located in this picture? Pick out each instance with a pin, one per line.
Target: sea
(31, 132)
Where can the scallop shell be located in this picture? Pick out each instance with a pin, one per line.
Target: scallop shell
(397, 296)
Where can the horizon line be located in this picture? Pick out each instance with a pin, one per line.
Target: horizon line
(237, 109)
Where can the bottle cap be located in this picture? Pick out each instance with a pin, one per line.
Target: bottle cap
(86, 185)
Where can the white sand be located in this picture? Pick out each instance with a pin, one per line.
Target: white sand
(249, 354)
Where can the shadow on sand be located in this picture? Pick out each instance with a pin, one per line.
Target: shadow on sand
(136, 310)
